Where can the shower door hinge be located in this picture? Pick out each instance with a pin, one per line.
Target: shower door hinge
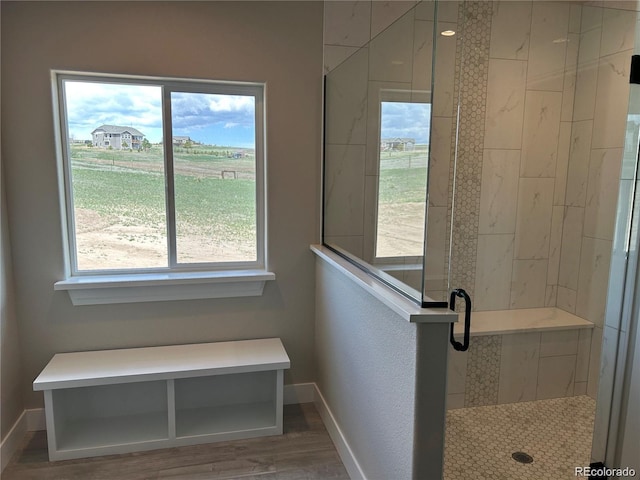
(634, 75)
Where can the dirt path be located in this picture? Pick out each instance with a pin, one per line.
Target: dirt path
(107, 243)
(400, 229)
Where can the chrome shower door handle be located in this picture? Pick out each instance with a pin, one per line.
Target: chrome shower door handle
(459, 292)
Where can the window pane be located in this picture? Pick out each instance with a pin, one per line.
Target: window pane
(402, 189)
(215, 177)
(117, 175)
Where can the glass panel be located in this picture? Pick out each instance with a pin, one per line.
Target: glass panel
(117, 183)
(215, 177)
(379, 153)
(448, 39)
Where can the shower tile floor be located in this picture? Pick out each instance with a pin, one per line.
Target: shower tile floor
(557, 433)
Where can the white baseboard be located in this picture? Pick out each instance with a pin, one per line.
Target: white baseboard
(344, 450)
(12, 441)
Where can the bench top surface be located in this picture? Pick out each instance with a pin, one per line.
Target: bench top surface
(104, 367)
(498, 322)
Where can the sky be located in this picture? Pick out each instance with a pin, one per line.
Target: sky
(206, 118)
(226, 120)
(406, 120)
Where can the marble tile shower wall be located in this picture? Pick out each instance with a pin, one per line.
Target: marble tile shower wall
(556, 102)
(555, 131)
(519, 367)
(532, 64)
(597, 145)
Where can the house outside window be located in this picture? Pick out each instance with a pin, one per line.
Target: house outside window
(120, 135)
(144, 206)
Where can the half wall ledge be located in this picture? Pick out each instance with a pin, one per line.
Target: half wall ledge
(392, 299)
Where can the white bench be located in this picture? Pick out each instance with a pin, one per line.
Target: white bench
(119, 401)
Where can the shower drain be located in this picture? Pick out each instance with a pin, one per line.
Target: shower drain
(522, 457)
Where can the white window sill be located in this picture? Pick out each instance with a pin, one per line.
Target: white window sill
(154, 287)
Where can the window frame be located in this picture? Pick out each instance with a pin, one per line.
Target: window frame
(167, 87)
(175, 281)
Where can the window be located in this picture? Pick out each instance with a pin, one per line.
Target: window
(153, 206)
(402, 180)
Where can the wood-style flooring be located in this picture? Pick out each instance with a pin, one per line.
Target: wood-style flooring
(303, 452)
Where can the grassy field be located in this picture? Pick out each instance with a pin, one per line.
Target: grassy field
(403, 177)
(126, 189)
(199, 160)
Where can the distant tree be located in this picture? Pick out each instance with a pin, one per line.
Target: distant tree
(125, 144)
(146, 145)
(188, 144)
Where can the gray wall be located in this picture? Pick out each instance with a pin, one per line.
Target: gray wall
(366, 373)
(382, 377)
(11, 404)
(276, 42)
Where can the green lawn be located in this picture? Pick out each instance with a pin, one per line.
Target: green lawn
(128, 186)
(403, 177)
(199, 159)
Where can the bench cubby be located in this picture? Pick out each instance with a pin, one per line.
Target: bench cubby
(212, 406)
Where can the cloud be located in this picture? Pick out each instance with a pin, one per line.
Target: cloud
(406, 120)
(230, 103)
(91, 104)
(199, 110)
